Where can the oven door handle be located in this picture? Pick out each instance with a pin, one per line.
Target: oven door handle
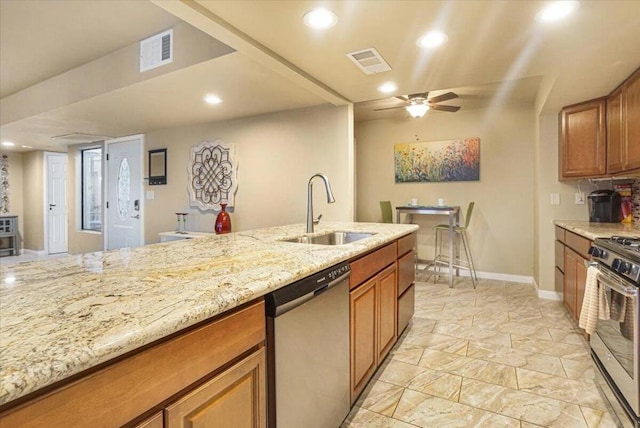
(625, 291)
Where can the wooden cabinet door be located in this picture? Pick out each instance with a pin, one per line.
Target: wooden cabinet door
(581, 279)
(363, 320)
(615, 161)
(155, 421)
(631, 89)
(387, 310)
(583, 140)
(570, 278)
(233, 399)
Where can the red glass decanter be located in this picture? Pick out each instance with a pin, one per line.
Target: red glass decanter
(223, 221)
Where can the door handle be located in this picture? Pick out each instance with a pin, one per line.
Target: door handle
(137, 216)
(51, 206)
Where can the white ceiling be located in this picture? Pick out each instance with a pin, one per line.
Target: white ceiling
(495, 49)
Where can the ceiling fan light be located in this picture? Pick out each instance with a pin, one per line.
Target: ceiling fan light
(417, 110)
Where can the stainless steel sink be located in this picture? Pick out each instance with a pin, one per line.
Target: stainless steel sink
(331, 238)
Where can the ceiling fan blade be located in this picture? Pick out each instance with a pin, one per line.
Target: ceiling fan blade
(418, 95)
(444, 108)
(443, 97)
(402, 98)
(387, 108)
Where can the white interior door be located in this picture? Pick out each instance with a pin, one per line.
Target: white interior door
(124, 211)
(56, 202)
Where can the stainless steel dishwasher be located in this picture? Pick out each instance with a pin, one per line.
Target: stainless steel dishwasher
(308, 351)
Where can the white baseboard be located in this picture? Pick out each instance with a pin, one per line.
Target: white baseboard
(33, 252)
(546, 294)
(523, 279)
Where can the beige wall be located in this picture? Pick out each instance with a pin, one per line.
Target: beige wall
(16, 190)
(567, 210)
(33, 191)
(79, 241)
(501, 228)
(277, 154)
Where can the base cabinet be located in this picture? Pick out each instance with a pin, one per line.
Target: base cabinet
(233, 399)
(571, 254)
(373, 321)
(144, 382)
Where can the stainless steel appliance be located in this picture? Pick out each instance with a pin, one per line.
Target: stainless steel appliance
(308, 351)
(615, 343)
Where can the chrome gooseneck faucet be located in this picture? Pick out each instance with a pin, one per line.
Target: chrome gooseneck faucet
(330, 199)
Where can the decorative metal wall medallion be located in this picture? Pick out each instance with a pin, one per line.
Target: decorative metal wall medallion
(213, 175)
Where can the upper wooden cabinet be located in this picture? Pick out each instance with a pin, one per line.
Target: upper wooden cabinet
(583, 144)
(631, 122)
(615, 162)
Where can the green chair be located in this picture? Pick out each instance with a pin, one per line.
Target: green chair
(441, 259)
(387, 212)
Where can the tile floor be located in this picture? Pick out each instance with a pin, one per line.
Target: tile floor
(497, 356)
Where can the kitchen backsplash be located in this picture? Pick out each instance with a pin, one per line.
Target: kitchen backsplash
(636, 200)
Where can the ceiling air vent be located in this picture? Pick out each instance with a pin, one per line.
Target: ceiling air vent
(156, 50)
(369, 60)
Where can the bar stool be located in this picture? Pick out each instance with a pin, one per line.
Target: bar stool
(460, 231)
(387, 212)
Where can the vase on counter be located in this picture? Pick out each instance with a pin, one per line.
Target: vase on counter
(223, 221)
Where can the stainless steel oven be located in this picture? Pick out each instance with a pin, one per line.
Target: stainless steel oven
(615, 343)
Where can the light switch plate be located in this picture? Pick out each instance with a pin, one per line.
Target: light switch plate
(579, 198)
(151, 194)
(555, 199)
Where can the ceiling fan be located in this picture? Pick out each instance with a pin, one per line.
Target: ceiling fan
(418, 104)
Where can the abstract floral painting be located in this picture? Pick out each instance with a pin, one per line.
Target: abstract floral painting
(437, 161)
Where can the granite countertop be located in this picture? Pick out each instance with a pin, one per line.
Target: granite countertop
(62, 316)
(599, 230)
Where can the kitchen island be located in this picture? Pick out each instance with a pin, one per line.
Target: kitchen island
(62, 317)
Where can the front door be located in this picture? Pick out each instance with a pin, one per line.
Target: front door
(56, 203)
(124, 216)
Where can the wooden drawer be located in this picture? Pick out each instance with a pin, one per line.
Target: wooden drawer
(120, 392)
(369, 265)
(406, 305)
(406, 244)
(560, 255)
(560, 234)
(406, 271)
(578, 243)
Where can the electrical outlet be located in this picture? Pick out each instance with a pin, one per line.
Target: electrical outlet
(555, 199)
(579, 198)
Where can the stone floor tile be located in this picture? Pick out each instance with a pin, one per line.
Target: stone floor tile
(598, 418)
(428, 411)
(560, 388)
(520, 405)
(360, 418)
(380, 397)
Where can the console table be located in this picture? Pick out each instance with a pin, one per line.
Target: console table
(8, 235)
(176, 236)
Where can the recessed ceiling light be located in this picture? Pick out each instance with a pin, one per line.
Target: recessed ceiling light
(432, 39)
(8, 143)
(26, 147)
(320, 19)
(556, 11)
(212, 99)
(387, 88)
